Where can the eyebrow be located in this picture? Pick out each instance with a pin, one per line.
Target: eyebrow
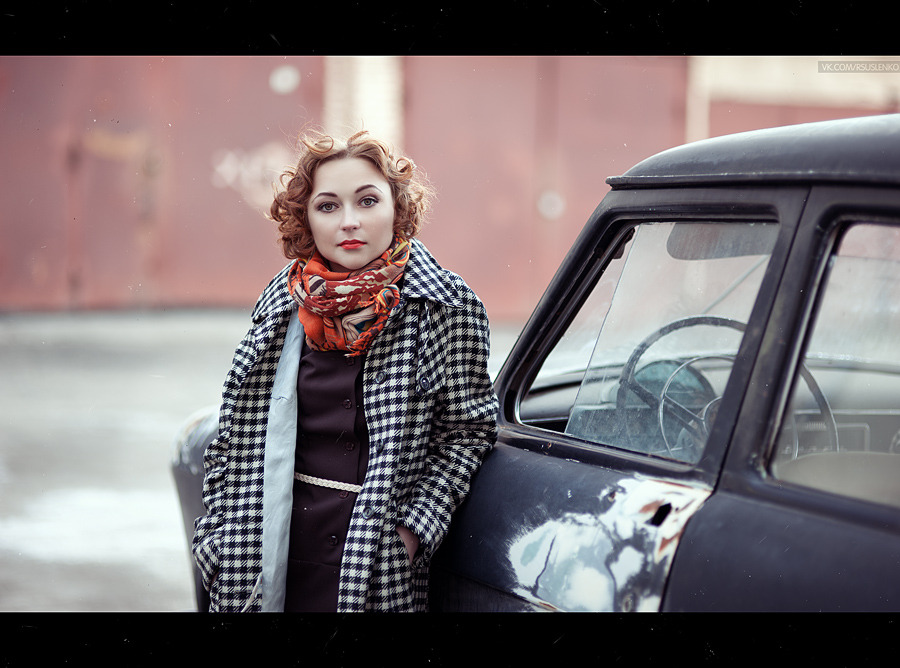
(358, 190)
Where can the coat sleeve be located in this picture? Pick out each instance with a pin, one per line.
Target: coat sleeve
(208, 529)
(463, 427)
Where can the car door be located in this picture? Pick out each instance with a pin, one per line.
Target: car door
(805, 517)
(617, 404)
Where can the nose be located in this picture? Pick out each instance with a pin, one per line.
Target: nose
(349, 221)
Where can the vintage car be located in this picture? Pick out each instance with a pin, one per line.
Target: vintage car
(703, 412)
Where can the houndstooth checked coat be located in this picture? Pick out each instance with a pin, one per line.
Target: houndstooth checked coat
(431, 416)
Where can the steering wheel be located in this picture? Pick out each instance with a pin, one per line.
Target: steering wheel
(697, 424)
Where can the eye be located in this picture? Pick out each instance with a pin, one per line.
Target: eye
(327, 207)
(369, 200)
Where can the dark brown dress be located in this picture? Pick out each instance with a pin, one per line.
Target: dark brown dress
(332, 443)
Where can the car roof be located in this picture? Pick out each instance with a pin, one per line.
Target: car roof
(852, 150)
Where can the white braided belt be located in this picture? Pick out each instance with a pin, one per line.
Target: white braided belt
(322, 482)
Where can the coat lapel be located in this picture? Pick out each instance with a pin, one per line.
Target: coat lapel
(425, 279)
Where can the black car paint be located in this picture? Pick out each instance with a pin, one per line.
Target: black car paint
(606, 469)
(759, 544)
(756, 543)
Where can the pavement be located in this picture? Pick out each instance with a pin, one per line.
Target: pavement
(90, 405)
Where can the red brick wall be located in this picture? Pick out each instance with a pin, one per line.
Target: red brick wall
(108, 190)
(125, 180)
(495, 133)
(727, 117)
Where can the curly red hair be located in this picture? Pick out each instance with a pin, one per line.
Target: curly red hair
(411, 192)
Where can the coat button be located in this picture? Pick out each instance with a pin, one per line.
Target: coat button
(333, 540)
(349, 446)
(367, 512)
(347, 403)
(424, 384)
(379, 377)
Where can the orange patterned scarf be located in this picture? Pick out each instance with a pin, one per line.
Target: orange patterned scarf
(345, 311)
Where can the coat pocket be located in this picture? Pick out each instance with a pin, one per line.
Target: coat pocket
(391, 583)
(400, 588)
(206, 548)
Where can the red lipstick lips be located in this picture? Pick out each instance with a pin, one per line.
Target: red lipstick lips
(351, 244)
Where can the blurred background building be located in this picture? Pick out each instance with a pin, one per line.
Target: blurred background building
(143, 182)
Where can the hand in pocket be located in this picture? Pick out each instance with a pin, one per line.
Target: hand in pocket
(410, 540)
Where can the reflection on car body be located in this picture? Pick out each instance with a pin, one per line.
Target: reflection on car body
(703, 412)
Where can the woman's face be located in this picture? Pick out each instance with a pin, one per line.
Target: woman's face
(351, 213)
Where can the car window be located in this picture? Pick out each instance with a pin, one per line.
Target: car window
(841, 430)
(644, 363)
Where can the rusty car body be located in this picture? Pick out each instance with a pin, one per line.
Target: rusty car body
(703, 412)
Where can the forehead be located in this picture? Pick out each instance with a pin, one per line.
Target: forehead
(344, 173)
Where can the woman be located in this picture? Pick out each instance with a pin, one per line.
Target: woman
(358, 406)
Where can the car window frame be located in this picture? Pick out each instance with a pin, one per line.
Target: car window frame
(829, 210)
(575, 280)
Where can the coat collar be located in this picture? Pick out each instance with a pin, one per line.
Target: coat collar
(424, 278)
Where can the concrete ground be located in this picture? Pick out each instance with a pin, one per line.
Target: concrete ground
(90, 404)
